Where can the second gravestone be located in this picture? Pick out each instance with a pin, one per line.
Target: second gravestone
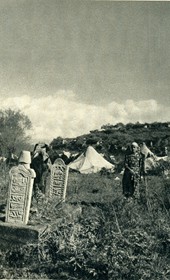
(58, 180)
(20, 191)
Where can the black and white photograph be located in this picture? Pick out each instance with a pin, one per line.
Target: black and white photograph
(84, 140)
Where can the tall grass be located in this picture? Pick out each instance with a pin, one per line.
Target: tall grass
(97, 234)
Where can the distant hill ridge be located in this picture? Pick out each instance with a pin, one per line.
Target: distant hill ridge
(112, 139)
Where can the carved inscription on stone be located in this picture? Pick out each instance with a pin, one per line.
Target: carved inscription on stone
(19, 194)
(58, 180)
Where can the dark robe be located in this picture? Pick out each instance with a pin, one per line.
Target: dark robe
(131, 174)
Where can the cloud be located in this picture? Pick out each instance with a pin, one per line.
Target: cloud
(62, 115)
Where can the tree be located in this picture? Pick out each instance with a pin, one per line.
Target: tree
(14, 126)
(57, 143)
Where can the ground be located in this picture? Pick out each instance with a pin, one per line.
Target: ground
(96, 233)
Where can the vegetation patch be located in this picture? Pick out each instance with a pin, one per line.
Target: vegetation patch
(96, 233)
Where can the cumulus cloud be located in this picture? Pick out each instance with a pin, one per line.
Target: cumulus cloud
(62, 115)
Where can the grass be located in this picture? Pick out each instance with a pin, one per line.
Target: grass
(97, 234)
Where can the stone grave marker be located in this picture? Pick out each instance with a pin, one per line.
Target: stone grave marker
(19, 194)
(58, 179)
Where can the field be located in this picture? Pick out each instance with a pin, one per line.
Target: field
(96, 234)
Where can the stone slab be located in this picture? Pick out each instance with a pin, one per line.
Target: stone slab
(58, 180)
(12, 236)
(19, 194)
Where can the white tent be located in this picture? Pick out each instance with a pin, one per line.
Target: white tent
(146, 151)
(90, 162)
(151, 160)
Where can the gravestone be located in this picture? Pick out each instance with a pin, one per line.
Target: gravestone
(19, 194)
(13, 235)
(58, 179)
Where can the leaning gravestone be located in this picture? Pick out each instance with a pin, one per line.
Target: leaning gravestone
(19, 194)
(58, 179)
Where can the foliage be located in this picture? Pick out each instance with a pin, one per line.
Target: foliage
(113, 137)
(14, 126)
(97, 234)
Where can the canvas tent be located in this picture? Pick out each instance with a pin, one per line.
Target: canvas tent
(90, 162)
(146, 151)
(151, 160)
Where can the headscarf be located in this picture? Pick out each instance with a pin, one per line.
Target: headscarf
(134, 144)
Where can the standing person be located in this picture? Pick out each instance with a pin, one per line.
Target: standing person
(131, 174)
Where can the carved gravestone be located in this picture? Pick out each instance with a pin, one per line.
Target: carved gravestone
(58, 179)
(19, 194)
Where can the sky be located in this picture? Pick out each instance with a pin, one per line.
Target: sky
(73, 66)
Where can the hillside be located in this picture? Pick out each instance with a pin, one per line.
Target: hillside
(112, 139)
